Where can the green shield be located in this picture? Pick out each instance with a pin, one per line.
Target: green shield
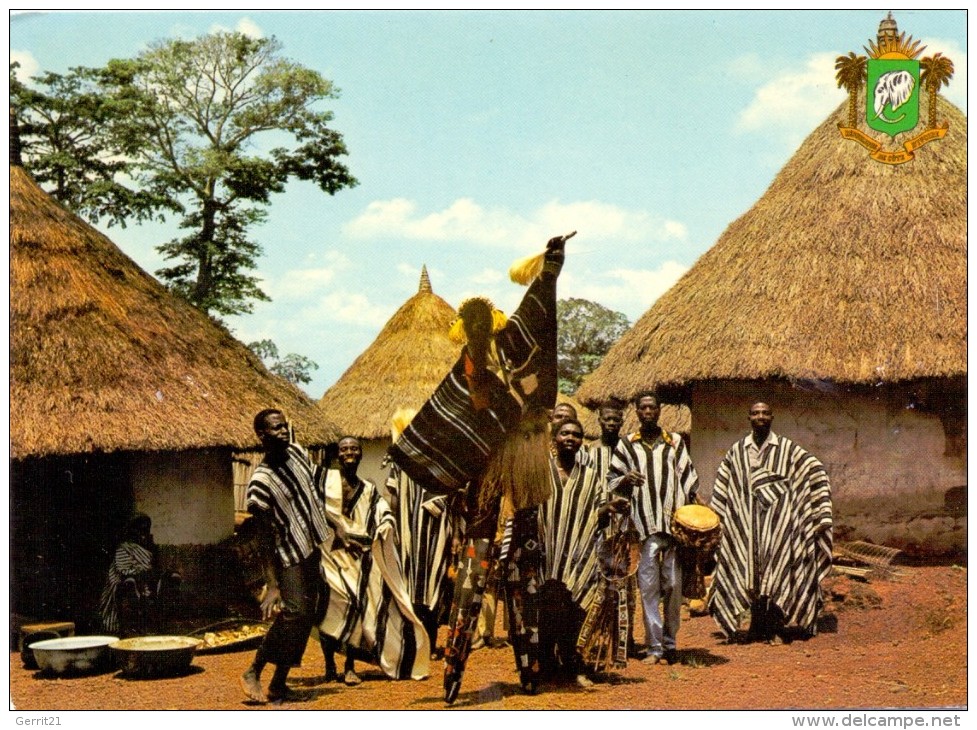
(892, 95)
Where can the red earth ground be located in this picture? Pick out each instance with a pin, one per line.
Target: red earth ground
(900, 642)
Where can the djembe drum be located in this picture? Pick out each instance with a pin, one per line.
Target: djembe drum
(697, 530)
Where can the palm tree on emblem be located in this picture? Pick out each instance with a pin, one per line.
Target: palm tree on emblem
(937, 71)
(850, 71)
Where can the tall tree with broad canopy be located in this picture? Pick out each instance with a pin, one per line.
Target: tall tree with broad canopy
(195, 120)
(200, 105)
(585, 332)
(62, 124)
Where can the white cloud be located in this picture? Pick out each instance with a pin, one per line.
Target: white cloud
(249, 28)
(465, 221)
(245, 25)
(794, 100)
(28, 65)
(749, 67)
(349, 308)
(631, 291)
(317, 275)
(489, 277)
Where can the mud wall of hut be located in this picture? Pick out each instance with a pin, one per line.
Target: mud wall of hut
(894, 473)
(373, 452)
(188, 494)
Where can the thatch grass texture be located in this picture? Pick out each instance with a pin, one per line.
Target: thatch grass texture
(400, 369)
(845, 270)
(103, 358)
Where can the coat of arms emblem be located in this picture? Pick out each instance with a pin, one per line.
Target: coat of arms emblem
(893, 77)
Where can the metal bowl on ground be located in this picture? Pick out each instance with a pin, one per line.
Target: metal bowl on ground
(73, 654)
(230, 635)
(155, 656)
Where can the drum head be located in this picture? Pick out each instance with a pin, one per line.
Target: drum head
(697, 517)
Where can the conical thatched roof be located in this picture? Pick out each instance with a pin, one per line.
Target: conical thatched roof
(847, 270)
(103, 358)
(400, 369)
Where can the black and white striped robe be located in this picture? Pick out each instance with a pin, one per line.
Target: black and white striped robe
(367, 604)
(568, 530)
(670, 480)
(133, 561)
(450, 441)
(424, 528)
(776, 539)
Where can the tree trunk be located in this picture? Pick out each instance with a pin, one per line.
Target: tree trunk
(205, 275)
(932, 106)
(853, 107)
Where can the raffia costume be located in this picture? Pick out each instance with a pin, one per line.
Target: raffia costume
(487, 432)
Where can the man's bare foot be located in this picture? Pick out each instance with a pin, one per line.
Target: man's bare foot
(252, 686)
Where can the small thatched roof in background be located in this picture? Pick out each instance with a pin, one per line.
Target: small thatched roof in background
(400, 369)
(103, 358)
(845, 270)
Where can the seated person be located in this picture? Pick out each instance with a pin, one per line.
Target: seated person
(136, 590)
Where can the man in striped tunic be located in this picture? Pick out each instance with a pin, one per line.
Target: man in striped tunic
(773, 499)
(367, 605)
(653, 468)
(291, 520)
(568, 531)
(608, 637)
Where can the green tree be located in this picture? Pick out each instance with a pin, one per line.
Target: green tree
(585, 332)
(63, 125)
(195, 121)
(937, 71)
(850, 72)
(294, 368)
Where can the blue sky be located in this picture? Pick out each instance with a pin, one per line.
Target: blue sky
(477, 135)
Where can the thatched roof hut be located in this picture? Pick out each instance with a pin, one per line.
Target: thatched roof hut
(840, 298)
(400, 369)
(846, 270)
(103, 358)
(123, 397)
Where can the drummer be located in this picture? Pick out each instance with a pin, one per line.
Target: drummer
(653, 469)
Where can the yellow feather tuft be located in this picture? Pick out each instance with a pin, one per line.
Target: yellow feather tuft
(400, 420)
(498, 320)
(526, 269)
(457, 332)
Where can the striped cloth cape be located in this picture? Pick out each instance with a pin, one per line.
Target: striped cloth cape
(776, 533)
(670, 479)
(288, 490)
(424, 528)
(367, 604)
(568, 530)
(131, 560)
(449, 442)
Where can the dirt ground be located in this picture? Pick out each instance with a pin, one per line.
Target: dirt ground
(899, 642)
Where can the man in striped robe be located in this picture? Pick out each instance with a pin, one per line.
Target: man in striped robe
(568, 531)
(290, 520)
(367, 605)
(607, 639)
(652, 467)
(425, 529)
(773, 499)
